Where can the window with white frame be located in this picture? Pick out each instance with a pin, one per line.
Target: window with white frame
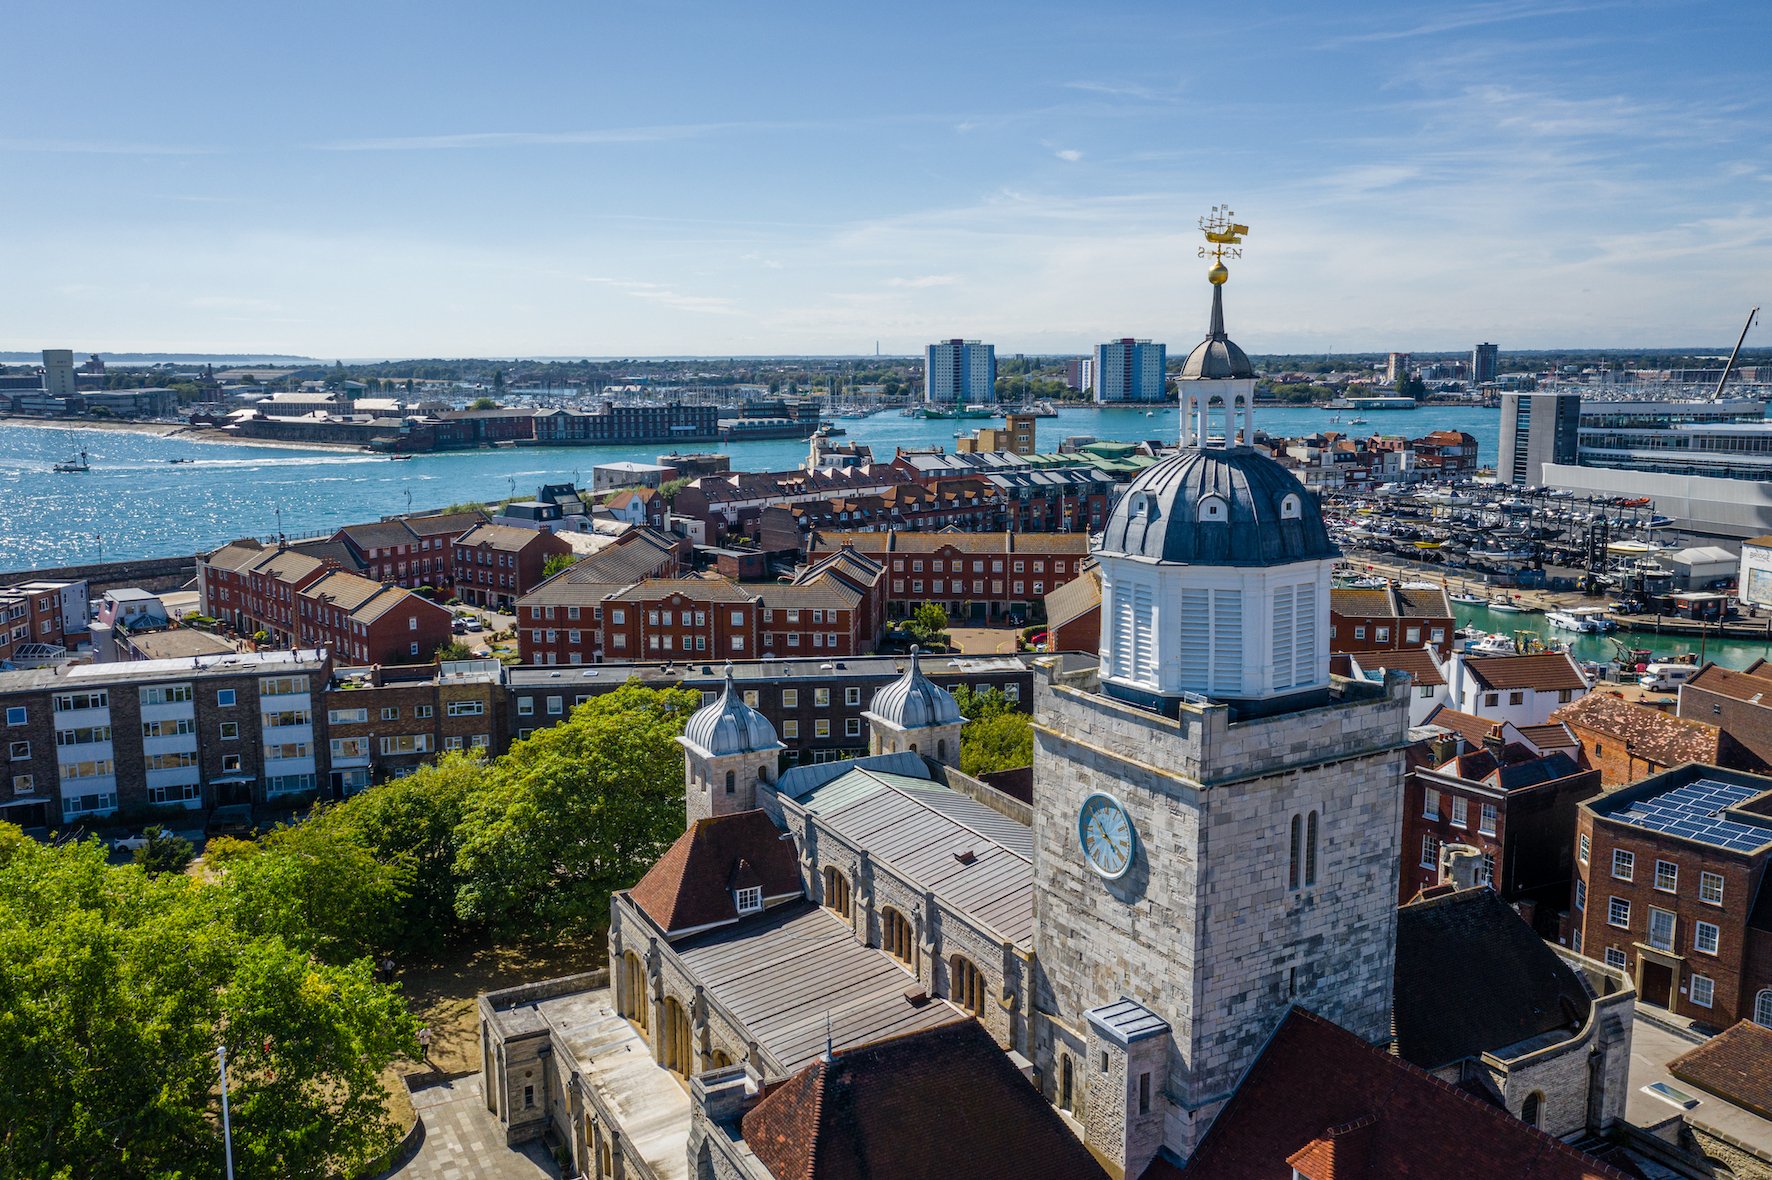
(1702, 991)
(1705, 936)
(1661, 929)
(750, 899)
(1710, 888)
(1461, 812)
(1581, 895)
(1615, 958)
(1618, 912)
(1624, 864)
(1486, 822)
(1581, 849)
(1430, 804)
(1430, 852)
(1667, 876)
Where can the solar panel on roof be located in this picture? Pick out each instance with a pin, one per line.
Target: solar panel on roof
(1694, 811)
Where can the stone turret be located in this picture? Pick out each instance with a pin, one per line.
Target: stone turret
(728, 748)
(914, 714)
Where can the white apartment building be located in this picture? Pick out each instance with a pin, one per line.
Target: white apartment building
(1129, 371)
(959, 372)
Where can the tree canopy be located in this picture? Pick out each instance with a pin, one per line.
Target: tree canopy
(574, 813)
(997, 735)
(116, 987)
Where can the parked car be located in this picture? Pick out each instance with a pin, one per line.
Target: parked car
(459, 627)
(474, 624)
(130, 842)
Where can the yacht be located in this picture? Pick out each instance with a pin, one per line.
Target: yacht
(1509, 606)
(1465, 598)
(1491, 645)
(1589, 620)
(78, 463)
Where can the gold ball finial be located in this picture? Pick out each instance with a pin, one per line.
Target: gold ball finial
(1218, 274)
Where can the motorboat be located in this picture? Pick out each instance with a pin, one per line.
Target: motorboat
(1492, 645)
(1589, 620)
(1469, 599)
(1509, 606)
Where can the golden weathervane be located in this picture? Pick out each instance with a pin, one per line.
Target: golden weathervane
(1224, 237)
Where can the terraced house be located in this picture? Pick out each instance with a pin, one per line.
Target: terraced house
(975, 576)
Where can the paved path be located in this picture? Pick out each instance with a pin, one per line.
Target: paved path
(463, 1140)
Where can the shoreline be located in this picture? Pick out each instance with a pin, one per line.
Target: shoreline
(178, 430)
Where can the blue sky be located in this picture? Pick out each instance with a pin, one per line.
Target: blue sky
(394, 179)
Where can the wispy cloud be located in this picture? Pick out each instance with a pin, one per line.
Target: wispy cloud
(1071, 154)
(661, 294)
(923, 281)
(1120, 89)
(1473, 16)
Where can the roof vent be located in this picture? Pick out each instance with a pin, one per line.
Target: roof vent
(916, 997)
(965, 856)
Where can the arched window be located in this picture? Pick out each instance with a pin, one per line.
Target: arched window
(966, 984)
(1310, 850)
(678, 1050)
(721, 1059)
(896, 937)
(1066, 1084)
(1763, 1008)
(836, 890)
(1213, 508)
(632, 993)
(1291, 508)
(1532, 1111)
(941, 750)
(1292, 877)
(731, 782)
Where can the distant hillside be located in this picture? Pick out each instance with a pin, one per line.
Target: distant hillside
(169, 358)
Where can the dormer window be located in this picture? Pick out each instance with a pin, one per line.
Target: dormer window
(749, 900)
(1143, 504)
(1291, 508)
(1213, 508)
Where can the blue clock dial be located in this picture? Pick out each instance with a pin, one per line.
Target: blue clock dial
(1105, 831)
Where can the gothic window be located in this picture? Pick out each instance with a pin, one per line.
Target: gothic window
(1067, 1084)
(1763, 1008)
(678, 1049)
(966, 984)
(731, 782)
(1292, 876)
(836, 891)
(632, 993)
(1532, 1111)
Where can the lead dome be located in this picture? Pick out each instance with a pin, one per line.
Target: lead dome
(913, 701)
(729, 726)
(1217, 506)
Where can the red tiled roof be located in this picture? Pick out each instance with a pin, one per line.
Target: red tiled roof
(1468, 726)
(1648, 733)
(1548, 672)
(1736, 1065)
(1315, 1083)
(1753, 685)
(689, 887)
(1416, 603)
(941, 1104)
(1552, 736)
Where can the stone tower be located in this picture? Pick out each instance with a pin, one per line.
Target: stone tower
(728, 748)
(914, 714)
(1216, 818)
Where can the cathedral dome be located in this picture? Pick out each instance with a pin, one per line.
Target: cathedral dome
(729, 726)
(1217, 506)
(913, 701)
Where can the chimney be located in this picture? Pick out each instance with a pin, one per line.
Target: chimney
(1460, 864)
(1495, 743)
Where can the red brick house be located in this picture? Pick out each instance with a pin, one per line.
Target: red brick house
(1391, 619)
(365, 622)
(252, 587)
(1073, 614)
(1740, 704)
(497, 564)
(1626, 741)
(975, 576)
(408, 551)
(1489, 787)
(1670, 886)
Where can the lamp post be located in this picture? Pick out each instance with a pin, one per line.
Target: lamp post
(221, 1055)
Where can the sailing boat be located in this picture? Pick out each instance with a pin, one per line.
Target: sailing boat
(78, 463)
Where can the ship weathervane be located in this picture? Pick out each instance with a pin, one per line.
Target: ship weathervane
(1224, 239)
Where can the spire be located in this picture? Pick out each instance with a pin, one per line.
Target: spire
(1215, 331)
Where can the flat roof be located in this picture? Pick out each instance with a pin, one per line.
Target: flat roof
(769, 671)
(758, 971)
(181, 668)
(1695, 811)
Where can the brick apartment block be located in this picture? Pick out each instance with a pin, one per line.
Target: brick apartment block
(974, 576)
(1389, 619)
(497, 564)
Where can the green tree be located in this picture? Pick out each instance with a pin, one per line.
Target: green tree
(670, 487)
(1001, 742)
(455, 649)
(116, 987)
(556, 562)
(165, 852)
(573, 813)
(929, 627)
(482, 403)
(317, 885)
(498, 380)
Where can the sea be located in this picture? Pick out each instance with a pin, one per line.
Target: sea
(133, 503)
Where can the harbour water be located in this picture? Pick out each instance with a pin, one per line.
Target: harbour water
(1734, 653)
(134, 503)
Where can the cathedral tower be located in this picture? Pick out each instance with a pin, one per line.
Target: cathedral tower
(1215, 817)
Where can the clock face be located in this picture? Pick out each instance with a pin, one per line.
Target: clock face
(1105, 832)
